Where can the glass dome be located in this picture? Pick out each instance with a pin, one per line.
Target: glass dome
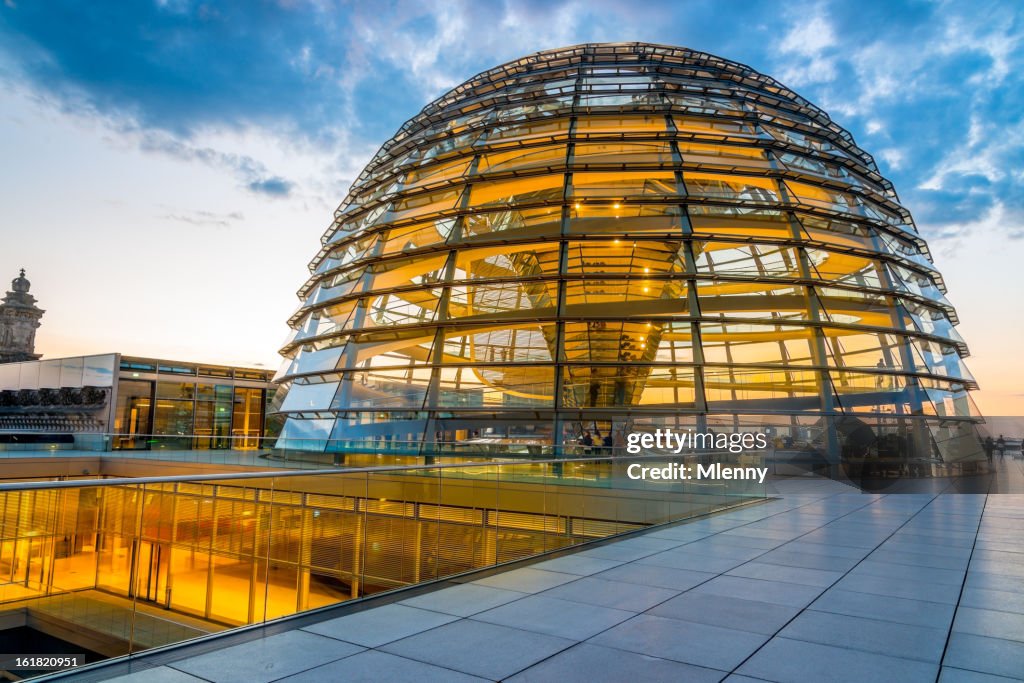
(617, 237)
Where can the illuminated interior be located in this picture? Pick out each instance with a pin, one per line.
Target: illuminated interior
(186, 557)
(618, 237)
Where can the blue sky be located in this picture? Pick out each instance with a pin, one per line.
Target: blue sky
(171, 165)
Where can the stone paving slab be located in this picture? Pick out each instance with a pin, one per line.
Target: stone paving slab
(794, 661)
(486, 650)
(370, 667)
(554, 617)
(266, 659)
(596, 664)
(615, 594)
(375, 627)
(464, 600)
(160, 674)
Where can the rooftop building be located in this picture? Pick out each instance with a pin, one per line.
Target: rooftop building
(113, 401)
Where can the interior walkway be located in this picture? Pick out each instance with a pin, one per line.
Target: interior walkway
(106, 615)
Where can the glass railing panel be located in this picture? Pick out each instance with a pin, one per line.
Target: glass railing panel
(159, 560)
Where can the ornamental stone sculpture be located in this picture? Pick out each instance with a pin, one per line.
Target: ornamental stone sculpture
(19, 320)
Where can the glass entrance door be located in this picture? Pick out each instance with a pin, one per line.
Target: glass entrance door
(150, 572)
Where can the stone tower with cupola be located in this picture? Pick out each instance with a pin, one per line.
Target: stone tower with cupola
(19, 320)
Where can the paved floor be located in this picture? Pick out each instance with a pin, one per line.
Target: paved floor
(822, 584)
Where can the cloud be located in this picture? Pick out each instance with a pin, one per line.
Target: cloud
(437, 44)
(939, 83)
(989, 32)
(893, 157)
(810, 40)
(250, 173)
(169, 77)
(977, 172)
(211, 219)
(810, 36)
(290, 98)
(273, 187)
(947, 238)
(180, 66)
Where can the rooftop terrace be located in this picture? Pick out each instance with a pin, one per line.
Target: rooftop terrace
(819, 583)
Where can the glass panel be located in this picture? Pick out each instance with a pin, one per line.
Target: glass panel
(304, 434)
(616, 153)
(513, 223)
(310, 396)
(614, 294)
(601, 125)
(387, 389)
(98, 371)
(700, 126)
(518, 191)
(182, 390)
(507, 385)
(423, 204)
(173, 418)
(745, 223)
(623, 184)
(434, 173)
(839, 233)
(71, 372)
(213, 424)
(132, 413)
(509, 299)
(741, 260)
(417, 236)
(844, 268)
(523, 343)
(421, 270)
(709, 185)
(644, 258)
(526, 131)
(310, 360)
(28, 376)
(624, 219)
(507, 261)
(521, 159)
(729, 156)
(49, 375)
(403, 308)
(620, 386)
(825, 198)
(724, 385)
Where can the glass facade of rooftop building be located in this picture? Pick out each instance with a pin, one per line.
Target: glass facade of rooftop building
(619, 237)
(132, 403)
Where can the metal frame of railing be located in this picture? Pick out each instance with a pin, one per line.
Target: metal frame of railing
(105, 442)
(268, 474)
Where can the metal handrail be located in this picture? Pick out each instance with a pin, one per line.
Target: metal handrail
(122, 481)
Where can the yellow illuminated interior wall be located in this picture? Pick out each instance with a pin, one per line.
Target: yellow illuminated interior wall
(231, 554)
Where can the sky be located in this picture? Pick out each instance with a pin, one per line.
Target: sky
(169, 167)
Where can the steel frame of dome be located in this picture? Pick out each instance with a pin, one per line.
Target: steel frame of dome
(620, 237)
